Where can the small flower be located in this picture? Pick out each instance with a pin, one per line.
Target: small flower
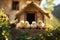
(0, 26)
(3, 32)
(13, 21)
(50, 27)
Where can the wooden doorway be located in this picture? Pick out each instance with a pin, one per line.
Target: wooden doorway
(30, 17)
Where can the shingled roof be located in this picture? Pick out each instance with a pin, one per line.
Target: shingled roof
(41, 10)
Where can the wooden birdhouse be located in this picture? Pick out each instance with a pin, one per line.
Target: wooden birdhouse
(26, 10)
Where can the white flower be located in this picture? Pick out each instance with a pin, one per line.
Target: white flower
(13, 21)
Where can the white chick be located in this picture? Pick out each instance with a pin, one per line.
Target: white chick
(33, 25)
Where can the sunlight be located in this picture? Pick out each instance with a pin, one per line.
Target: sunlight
(55, 1)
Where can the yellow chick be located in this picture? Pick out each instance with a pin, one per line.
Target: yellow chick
(27, 25)
(21, 24)
(39, 24)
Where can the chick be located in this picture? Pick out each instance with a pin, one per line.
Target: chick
(27, 25)
(33, 25)
(20, 25)
(39, 24)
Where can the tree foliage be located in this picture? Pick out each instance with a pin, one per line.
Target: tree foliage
(49, 5)
(4, 25)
